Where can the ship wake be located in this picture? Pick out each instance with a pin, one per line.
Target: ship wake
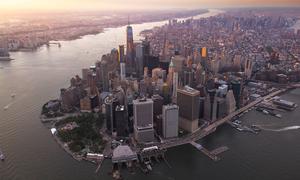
(280, 129)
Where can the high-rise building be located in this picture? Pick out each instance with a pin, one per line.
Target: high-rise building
(178, 61)
(157, 112)
(85, 104)
(104, 76)
(203, 52)
(170, 121)
(221, 107)
(210, 106)
(110, 107)
(188, 78)
(129, 50)
(237, 91)
(188, 101)
(215, 66)
(248, 68)
(175, 86)
(121, 121)
(230, 102)
(139, 59)
(122, 62)
(237, 61)
(143, 120)
(157, 104)
(170, 73)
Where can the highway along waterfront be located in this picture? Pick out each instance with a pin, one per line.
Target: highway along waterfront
(32, 154)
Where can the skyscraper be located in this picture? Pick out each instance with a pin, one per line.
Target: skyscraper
(170, 121)
(121, 121)
(175, 86)
(210, 106)
(237, 91)
(129, 49)
(248, 68)
(122, 62)
(110, 107)
(188, 101)
(139, 59)
(230, 102)
(143, 120)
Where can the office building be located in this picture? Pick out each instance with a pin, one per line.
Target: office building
(170, 119)
(237, 91)
(121, 121)
(230, 102)
(110, 106)
(143, 120)
(139, 60)
(248, 68)
(188, 101)
(129, 50)
(210, 106)
(122, 62)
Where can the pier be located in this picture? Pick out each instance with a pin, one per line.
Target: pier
(212, 156)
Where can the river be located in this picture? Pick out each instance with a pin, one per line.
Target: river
(32, 154)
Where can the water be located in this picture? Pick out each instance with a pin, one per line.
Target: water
(32, 154)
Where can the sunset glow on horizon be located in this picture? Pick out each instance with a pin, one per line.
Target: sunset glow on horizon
(52, 5)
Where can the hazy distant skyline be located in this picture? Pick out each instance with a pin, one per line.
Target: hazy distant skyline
(52, 5)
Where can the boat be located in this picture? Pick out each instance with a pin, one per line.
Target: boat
(278, 115)
(237, 121)
(5, 108)
(2, 157)
(265, 112)
(255, 128)
(240, 129)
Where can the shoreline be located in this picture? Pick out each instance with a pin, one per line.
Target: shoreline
(103, 29)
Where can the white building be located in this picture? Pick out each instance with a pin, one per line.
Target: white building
(170, 121)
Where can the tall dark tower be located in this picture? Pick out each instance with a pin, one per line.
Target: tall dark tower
(129, 49)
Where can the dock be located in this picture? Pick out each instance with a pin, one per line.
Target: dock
(209, 154)
(219, 150)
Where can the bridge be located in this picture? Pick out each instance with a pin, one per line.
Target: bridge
(201, 133)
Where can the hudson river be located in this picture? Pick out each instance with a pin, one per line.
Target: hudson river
(32, 154)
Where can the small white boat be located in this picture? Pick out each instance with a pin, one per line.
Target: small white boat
(2, 157)
(265, 112)
(5, 108)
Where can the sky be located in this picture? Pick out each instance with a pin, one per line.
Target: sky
(52, 5)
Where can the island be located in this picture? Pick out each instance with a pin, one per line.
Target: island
(177, 86)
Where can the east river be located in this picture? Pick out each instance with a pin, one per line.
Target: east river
(32, 154)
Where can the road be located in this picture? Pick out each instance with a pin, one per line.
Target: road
(201, 133)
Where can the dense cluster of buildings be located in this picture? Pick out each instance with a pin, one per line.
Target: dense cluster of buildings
(183, 77)
(231, 39)
(148, 98)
